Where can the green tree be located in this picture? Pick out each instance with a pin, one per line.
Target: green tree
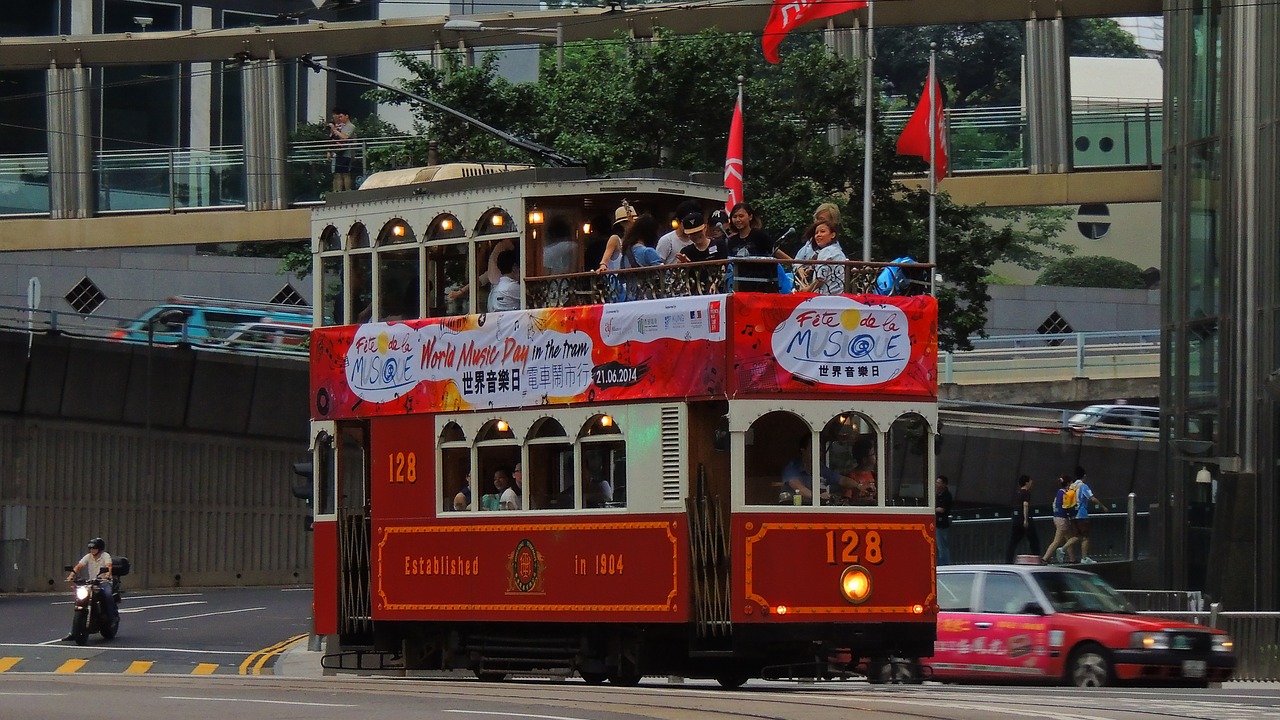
(1092, 271)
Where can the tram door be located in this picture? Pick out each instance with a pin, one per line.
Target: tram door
(708, 506)
(355, 614)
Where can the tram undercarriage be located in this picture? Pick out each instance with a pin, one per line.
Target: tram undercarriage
(623, 654)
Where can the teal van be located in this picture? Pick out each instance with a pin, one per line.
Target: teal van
(200, 320)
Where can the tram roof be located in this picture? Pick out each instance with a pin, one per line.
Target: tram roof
(410, 184)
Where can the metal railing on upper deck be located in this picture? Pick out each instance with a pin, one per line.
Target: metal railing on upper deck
(176, 179)
(720, 276)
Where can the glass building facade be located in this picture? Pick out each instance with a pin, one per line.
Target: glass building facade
(1220, 296)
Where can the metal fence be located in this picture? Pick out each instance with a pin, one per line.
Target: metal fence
(1256, 636)
(1119, 534)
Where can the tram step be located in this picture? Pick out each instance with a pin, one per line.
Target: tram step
(710, 653)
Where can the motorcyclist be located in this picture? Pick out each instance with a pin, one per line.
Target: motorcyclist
(94, 561)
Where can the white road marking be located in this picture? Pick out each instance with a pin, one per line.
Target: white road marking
(32, 694)
(201, 615)
(263, 702)
(116, 648)
(132, 609)
(514, 715)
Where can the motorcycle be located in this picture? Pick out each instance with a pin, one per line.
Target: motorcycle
(90, 612)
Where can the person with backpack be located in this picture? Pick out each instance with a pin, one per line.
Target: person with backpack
(1062, 530)
(1023, 525)
(1076, 502)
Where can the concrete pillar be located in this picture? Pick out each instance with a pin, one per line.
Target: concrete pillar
(262, 108)
(1047, 97)
(71, 185)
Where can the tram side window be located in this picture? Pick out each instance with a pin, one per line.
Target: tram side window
(331, 291)
(456, 485)
(497, 455)
(850, 448)
(604, 468)
(773, 444)
(447, 280)
(361, 289)
(398, 284)
(908, 462)
(548, 477)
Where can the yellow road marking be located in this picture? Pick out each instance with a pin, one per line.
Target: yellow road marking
(7, 663)
(137, 667)
(71, 666)
(205, 669)
(258, 659)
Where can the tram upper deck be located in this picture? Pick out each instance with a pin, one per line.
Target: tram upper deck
(420, 249)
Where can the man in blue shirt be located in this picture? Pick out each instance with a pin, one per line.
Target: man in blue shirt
(797, 476)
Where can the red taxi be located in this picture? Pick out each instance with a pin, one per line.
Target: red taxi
(1046, 624)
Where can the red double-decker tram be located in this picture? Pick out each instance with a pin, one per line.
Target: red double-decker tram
(645, 472)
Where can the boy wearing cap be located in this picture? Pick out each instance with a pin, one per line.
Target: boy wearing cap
(701, 247)
(669, 245)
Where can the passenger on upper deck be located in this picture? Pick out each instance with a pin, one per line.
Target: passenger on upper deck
(669, 245)
(506, 293)
(622, 218)
(559, 254)
(747, 239)
(700, 246)
(637, 243)
(822, 279)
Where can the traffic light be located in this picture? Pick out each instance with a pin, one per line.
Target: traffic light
(304, 489)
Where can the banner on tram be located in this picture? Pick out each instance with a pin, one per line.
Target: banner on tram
(681, 347)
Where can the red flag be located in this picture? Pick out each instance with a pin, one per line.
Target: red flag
(787, 15)
(915, 136)
(733, 158)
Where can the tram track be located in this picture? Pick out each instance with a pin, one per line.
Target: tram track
(928, 702)
(437, 697)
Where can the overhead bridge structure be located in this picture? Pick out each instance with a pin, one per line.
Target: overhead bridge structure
(89, 215)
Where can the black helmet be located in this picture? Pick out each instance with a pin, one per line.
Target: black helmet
(98, 543)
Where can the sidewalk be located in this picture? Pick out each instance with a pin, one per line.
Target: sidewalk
(299, 661)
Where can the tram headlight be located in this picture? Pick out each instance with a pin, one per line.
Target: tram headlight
(855, 584)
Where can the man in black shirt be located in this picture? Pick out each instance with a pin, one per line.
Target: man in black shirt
(701, 247)
(942, 513)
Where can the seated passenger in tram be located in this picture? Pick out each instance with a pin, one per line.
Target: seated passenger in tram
(600, 493)
(860, 484)
(559, 255)
(501, 483)
(462, 500)
(797, 477)
(510, 499)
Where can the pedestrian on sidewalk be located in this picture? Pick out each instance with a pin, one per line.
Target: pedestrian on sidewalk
(1062, 530)
(1022, 525)
(942, 518)
(1078, 496)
